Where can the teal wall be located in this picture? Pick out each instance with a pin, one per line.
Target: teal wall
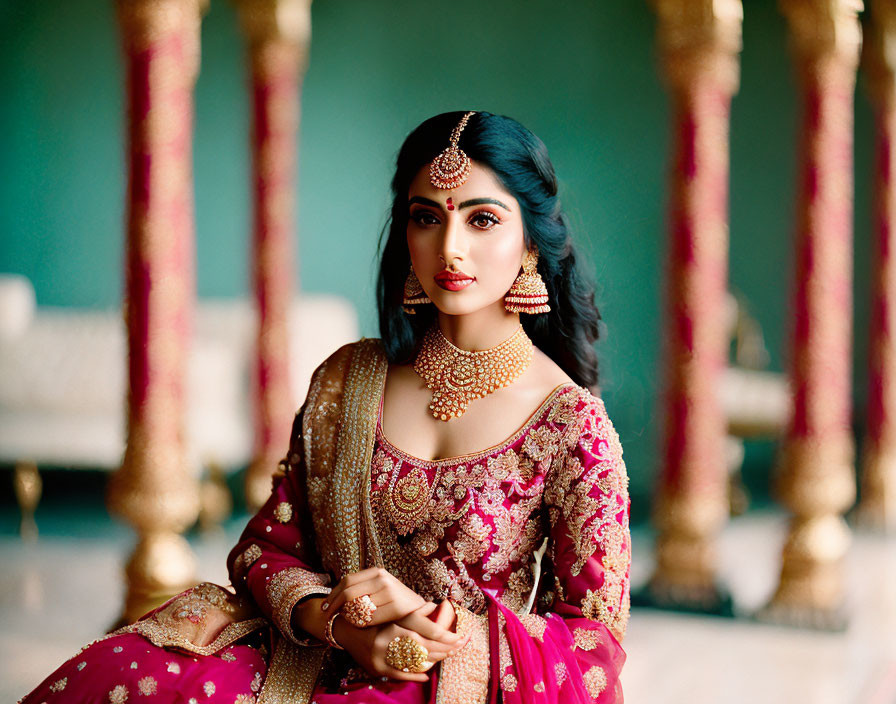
(582, 76)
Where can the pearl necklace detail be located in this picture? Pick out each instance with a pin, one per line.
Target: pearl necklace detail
(458, 376)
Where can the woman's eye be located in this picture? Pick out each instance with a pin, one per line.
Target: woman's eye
(424, 217)
(484, 221)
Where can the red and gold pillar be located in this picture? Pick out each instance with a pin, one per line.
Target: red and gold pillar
(877, 508)
(699, 44)
(154, 489)
(816, 476)
(278, 34)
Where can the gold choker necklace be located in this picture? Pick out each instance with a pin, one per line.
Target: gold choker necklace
(458, 376)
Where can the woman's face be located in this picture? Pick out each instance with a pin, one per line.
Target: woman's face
(475, 229)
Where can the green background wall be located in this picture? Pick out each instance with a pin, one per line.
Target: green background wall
(581, 75)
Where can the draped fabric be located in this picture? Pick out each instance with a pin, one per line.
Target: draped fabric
(528, 539)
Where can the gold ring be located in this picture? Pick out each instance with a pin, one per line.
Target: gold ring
(359, 611)
(406, 654)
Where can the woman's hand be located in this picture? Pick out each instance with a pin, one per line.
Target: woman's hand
(394, 601)
(368, 645)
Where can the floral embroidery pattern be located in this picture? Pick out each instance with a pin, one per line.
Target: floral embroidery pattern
(587, 638)
(595, 680)
(560, 672)
(283, 512)
(147, 685)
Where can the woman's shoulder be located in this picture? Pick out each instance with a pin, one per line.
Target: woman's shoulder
(340, 358)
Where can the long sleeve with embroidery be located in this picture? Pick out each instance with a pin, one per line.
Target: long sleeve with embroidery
(276, 561)
(567, 648)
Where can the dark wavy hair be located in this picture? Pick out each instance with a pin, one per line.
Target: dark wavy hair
(520, 161)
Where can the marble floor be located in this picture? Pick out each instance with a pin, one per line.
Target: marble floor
(66, 589)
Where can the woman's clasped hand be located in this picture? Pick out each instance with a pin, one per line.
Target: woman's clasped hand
(400, 612)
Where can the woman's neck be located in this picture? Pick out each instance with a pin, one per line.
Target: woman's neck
(481, 330)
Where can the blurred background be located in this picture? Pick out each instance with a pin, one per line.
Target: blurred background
(588, 79)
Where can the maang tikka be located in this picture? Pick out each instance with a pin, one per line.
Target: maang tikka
(452, 167)
(528, 294)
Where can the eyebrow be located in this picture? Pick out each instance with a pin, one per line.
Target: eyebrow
(465, 204)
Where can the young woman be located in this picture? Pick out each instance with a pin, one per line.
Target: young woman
(450, 523)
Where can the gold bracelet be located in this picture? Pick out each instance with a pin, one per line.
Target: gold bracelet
(328, 632)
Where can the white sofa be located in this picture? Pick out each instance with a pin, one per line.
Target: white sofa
(63, 378)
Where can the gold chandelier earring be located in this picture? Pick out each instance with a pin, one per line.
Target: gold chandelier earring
(413, 293)
(528, 294)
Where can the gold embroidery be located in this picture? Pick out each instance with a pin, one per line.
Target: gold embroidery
(168, 637)
(517, 589)
(245, 560)
(407, 499)
(595, 680)
(59, 685)
(283, 512)
(463, 677)
(147, 685)
(286, 589)
(505, 661)
(472, 540)
(538, 686)
(587, 638)
(292, 674)
(118, 694)
(209, 688)
(541, 442)
(350, 479)
(598, 521)
(560, 672)
(535, 626)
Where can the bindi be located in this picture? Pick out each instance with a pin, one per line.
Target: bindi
(449, 204)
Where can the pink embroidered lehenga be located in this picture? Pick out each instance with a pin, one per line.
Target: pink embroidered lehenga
(546, 622)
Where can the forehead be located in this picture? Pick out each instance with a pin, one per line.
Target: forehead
(481, 182)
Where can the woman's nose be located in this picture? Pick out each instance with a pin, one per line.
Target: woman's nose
(452, 241)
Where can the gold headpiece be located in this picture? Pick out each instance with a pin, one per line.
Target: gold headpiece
(452, 167)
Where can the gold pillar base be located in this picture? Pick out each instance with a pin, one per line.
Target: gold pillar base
(685, 574)
(259, 481)
(28, 487)
(877, 509)
(685, 577)
(162, 565)
(810, 593)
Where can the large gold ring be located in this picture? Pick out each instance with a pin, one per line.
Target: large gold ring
(359, 611)
(406, 654)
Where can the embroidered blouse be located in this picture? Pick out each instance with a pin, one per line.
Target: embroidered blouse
(528, 538)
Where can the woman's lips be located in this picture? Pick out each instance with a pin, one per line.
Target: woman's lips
(453, 282)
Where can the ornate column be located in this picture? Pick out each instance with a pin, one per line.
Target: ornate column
(877, 508)
(816, 475)
(278, 34)
(699, 43)
(154, 490)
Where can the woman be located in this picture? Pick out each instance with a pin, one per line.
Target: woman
(450, 523)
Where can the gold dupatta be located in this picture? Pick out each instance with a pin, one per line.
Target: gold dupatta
(338, 428)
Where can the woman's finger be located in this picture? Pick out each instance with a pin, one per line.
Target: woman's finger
(351, 580)
(391, 610)
(429, 629)
(394, 674)
(343, 594)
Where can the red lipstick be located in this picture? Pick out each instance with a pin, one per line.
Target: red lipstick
(453, 281)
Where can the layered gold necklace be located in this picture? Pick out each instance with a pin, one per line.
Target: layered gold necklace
(458, 376)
